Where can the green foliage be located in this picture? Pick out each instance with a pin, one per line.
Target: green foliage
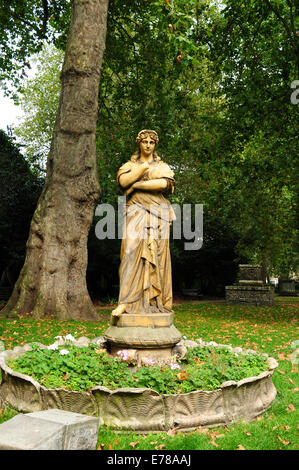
(83, 368)
(79, 369)
(214, 80)
(25, 25)
(264, 216)
(19, 191)
(39, 101)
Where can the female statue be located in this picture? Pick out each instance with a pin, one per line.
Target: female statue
(145, 269)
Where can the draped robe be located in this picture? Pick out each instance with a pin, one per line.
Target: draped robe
(145, 268)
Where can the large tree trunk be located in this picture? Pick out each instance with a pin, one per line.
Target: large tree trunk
(53, 278)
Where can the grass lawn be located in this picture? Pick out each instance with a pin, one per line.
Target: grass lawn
(271, 330)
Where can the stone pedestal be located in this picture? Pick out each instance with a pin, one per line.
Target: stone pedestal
(151, 336)
(250, 295)
(250, 289)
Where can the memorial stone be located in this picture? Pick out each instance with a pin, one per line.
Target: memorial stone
(250, 289)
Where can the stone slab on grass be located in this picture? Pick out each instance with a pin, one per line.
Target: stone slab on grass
(25, 433)
(49, 430)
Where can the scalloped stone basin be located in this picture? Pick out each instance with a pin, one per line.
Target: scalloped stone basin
(142, 409)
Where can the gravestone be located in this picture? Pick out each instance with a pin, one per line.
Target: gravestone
(286, 287)
(251, 289)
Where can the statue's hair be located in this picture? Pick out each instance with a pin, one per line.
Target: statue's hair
(141, 135)
(136, 156)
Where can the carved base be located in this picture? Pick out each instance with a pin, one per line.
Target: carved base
(153, 320)
(138, 337)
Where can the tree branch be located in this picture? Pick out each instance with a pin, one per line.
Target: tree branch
(45, 16)
(292, 37)
(292, 18)
(22, 20)
(276, 12)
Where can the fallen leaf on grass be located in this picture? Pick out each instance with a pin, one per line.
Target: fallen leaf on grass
(240, 447)
(171, 432)
(247, 433)
(291, 380)
(101, 447)
(290, 407)
(160, 447)
(214, 443)
(216, 434)
(281, 371)
(274, 427)
(202, 430)
(281, 356)
(153, 443)
(294, 368)
(133, 444)
(287, 428)
(295, 389)
(283, 441)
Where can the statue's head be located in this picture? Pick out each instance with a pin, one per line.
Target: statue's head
(143, 135)
(147, 133)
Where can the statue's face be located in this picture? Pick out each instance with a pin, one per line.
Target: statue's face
(147, 145)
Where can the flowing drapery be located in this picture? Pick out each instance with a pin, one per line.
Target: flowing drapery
(145, 269)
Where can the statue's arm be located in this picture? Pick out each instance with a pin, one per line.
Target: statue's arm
(131, 177)
(158, 184)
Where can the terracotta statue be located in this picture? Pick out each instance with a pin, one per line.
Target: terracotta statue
(145, 269)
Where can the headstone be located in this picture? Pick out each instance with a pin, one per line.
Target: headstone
(286, 287)
(250, 289)
(49, 430)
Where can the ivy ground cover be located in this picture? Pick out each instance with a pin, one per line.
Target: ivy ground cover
(272, 330)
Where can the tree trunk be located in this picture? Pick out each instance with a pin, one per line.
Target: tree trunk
(53, 278)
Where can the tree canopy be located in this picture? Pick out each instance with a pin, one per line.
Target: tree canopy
(213, 78)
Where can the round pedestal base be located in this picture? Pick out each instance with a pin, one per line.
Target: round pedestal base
(139, 337)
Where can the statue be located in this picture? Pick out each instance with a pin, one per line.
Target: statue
(145, 270)
(144, 317)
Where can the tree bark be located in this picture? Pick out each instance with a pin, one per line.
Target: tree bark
(53, 278)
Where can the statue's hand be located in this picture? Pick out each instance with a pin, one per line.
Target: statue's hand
(129, 190)
(145, 165)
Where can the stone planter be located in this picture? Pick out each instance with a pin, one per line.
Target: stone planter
(142, 409)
